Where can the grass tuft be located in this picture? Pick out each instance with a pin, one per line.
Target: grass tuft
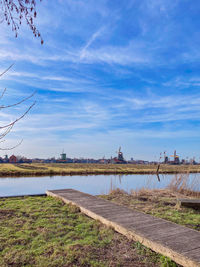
(183, 184)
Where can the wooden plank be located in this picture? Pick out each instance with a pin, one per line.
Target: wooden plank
(179, 243)
(195, 254)
(190, 203)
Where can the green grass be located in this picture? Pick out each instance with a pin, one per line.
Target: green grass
(39, 169)
(184, 216)
(164, 261)
(42, 231)
(159, 203)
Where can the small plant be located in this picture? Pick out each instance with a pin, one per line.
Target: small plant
(167, 262)
(155, 257)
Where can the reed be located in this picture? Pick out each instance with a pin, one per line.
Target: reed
(182, 183)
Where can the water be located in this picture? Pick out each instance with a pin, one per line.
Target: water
(99, 184)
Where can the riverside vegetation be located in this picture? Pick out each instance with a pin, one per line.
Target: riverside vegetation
(159, 203)
(162, 203)
(40, 169)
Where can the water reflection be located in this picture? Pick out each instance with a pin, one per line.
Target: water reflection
(99, 184)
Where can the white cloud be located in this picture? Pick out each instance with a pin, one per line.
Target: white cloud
(90, 41)
(133, 53)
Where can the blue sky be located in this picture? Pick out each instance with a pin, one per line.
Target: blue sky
(110, 73)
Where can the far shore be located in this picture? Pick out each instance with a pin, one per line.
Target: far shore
(66, 169)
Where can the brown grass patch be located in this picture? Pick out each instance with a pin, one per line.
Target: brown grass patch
(181, 183)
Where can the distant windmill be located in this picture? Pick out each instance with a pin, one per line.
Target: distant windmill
(175, 155)
(119, 151)
(120, 155)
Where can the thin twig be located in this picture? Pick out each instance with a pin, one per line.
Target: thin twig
(3, 93)
(10, 148)
(12, 123)
(6, 131)
(18, 103)
(1, 74)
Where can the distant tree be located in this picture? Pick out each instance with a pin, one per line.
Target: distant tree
(14, 11)
(6, 128)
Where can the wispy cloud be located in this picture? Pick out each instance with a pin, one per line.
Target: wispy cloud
(90, 41)
(133, 53)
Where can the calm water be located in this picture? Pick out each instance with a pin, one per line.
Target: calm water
(100, 184)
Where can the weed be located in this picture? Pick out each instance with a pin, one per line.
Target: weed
(154, 257)
(166, 262)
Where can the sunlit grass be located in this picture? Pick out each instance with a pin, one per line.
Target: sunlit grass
(42, 231)
(39, 169)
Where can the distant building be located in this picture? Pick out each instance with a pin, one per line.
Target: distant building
(6, 160)
(63, 156)
(12, 159)
(166, 160)
(36, 160)
(183, 161)
(119, 159)
(176, 158)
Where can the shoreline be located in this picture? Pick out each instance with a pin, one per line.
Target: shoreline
(39, 169)
(28, 175)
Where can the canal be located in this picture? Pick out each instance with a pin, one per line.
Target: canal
(93, 184)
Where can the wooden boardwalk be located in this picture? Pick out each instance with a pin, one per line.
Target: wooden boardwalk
(191, 203)
(179, 243)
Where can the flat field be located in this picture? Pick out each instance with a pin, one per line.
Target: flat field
(39, 169)
(42, 231)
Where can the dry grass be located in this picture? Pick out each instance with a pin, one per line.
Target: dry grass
(41, 169)
(183, 184)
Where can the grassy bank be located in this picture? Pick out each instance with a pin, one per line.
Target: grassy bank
(160, 203)
(42, 231)
(39, 169)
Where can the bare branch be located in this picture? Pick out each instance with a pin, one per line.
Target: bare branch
(14, 11)
(10, 148)
(8, 127)
(1, 74)
(18, 103)
(22, 116)
(6, 131)
(3, 93)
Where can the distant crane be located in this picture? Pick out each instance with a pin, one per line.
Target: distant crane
(176, 157)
